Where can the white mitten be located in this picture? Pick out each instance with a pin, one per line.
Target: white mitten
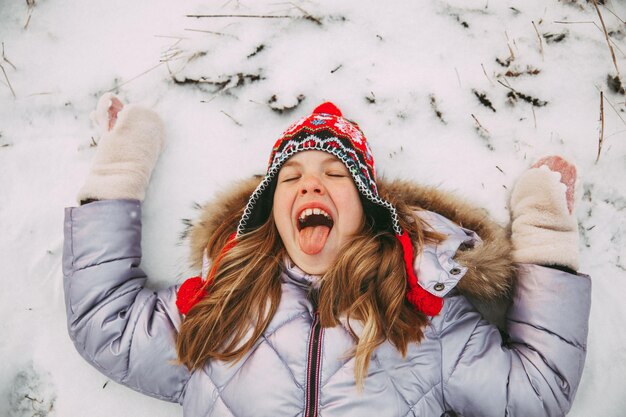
(544, 229)
(127, 152)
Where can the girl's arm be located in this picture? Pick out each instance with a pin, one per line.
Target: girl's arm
(126, 331)
(536, 371)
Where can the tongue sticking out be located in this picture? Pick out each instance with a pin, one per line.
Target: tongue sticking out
(313, 238)
(314, 230)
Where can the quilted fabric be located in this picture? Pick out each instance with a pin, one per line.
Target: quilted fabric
(128, 332)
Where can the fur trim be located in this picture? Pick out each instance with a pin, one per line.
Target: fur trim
(488, 280)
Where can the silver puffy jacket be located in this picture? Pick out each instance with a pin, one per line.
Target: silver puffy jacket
(297, 368)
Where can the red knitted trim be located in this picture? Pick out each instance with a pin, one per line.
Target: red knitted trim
(421, 299)
(195, 289)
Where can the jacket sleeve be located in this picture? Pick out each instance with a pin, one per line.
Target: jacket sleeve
(126, 331)
(537, 372)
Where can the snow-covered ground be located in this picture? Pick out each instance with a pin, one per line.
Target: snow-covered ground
(440, 88)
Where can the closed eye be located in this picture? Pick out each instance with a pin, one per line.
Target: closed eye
(289, 179)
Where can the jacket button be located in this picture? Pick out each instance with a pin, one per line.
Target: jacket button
(455, 271)
(439, 286)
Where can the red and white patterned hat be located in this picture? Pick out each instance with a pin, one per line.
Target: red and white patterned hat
(328, 131)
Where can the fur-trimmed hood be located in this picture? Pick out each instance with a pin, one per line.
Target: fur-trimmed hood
(488, 280)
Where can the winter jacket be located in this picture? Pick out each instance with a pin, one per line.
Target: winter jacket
(297, 368)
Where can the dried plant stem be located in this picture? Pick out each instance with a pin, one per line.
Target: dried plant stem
(307, 14)
(212, 33)
(478, 123)
(458, 77)
(30, 13)
(538, 37)
(601, 125)
(232, 118)
(562, 22)
(137, 76)
(509, 46)
(613, 13)
(4, 58)
(606, 35)
(254, 16)
(612, 106)
(6, 77)
(598, 27)
(485, 72)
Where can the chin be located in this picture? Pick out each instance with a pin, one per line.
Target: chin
(313, 264)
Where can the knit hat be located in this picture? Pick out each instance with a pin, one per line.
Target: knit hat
(325, 130)
(328, 131)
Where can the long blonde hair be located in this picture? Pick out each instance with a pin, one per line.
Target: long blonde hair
(367, 283)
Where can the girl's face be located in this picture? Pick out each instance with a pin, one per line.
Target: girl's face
(316, 209)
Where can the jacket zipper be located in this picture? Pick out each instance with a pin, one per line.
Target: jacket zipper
(313, 367)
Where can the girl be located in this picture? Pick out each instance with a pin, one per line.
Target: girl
(329, 293)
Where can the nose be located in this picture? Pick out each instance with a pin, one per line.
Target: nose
(311, 184)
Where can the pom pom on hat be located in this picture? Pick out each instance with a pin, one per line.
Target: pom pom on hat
(189, 294)
(327, 108)
(195, 289)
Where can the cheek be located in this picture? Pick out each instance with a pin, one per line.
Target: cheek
(281, 211)
(353, 210)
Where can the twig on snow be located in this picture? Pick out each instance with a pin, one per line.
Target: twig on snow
(232, 118)
(612, 106)
(307, 15)
(6, 77)
(137, 76)
(213, 33)
(562, 22)
(478, 123)
(258, 16)
(538, 37)
(596, 25)
(5, 59)
(606, 35)
(485, 72)
(31, 6)
(613, 13)
(601, 139)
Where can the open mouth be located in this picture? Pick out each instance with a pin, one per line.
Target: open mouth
(314, 217)
(314, 226)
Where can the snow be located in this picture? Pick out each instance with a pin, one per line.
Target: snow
(386, 64)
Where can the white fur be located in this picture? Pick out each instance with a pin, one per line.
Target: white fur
(543, 230)
(126, 155)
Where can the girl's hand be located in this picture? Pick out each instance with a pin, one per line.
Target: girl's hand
(115, 107)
